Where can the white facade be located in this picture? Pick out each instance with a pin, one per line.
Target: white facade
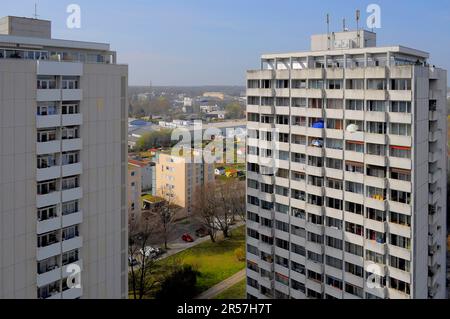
(347, 173)
(63, 123)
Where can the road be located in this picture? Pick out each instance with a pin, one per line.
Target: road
(222, 286)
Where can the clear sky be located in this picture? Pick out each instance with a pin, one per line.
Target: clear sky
(213, 42)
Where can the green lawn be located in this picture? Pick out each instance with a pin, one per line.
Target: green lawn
(215, 261)
(235, 292)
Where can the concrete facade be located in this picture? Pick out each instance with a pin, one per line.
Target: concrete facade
(347, 173)
(63, 164)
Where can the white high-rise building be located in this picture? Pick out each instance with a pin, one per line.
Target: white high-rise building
(63, 161)
(347, 171)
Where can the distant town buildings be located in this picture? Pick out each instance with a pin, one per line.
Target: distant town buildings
(215, 95)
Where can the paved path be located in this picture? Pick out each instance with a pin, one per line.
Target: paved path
(222, 286)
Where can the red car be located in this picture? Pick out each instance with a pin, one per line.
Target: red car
(187, 238)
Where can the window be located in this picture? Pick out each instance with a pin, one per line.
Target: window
(70, 109)
(355, 84)
(253, 100)
(298, 158)
(298, 249)
(334, 203)
(316, 258)
(298, 176)
(400, 151)
(354, 290)
(334, 242)
(376, 84)
(354, 208)
(354, 146)
(333, 143)
(376, 171)
(354, 249)
(68, 133)
(316, 84)
(334, 84)
(376, 149)
(46, 136)
(282, 226)
(299, 102)
(47, 239)
(376, 127)
(334, 163)
(299, 84)
(399, 263)
(334, 104)
(299, 120)
(253, 84)
(282, 84)
(400, 107)
(70, 183)
(401, 197)
(333, 262)
(70, 208)
(336, 283)
(70, 83)
(69, 158)
(334, 223)
(354, 105)
(353, 187)
(376, 106)
(401, 84)
(400, 285)
(354, 269)
(282, 101)
(354, 228)
(46, 83)
(70, 232)
(47, 213)
(334, 124)
(400, 129)
(46, 161)
(400, 219)
(401, 175)
(375, 236)
(334, 183)
(299, 139)
(354, 167)
(374, 214)
(47, 109)
(400, 241)
(298, 231)
(297, 267)
(315, 103)
(44, 188)
(267, 101)
(70, 257)
(374, 257)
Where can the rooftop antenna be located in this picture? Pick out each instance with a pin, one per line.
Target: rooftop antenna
(344, 26)
(35, 11)
(358, 17)
(328, 31)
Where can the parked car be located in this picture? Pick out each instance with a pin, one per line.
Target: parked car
(150, 252)
(201, 232)
(132, 262)
(187, 238)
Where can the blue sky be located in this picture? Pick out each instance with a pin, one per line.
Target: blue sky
(213, 42)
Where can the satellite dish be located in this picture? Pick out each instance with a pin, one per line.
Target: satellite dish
(352, 128)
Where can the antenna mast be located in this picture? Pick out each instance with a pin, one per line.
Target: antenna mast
(35, 11)
(358, 17)
(328, 31)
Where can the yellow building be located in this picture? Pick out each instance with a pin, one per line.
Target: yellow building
(178, 177)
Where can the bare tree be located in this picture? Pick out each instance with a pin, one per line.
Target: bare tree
(223, 199)
(166, 213)
(205, 209)
(237, 199)
(141, 276)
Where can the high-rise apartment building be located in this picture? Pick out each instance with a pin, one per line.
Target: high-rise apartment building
(347, 172)
(63, 165)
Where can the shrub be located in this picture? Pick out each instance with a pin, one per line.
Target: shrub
(179, 285)
(240, 254)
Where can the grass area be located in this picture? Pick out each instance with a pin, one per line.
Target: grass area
(235, 292)
(214, 261)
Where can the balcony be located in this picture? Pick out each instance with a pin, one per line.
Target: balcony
(72, 293)
(72, 145)
(72, 219)
(260, 74)
(48, 95)
(44, 174)
(72, 169)
(51, 147)
(59, 68)
(405, 118)
(354, 115)
(375, 72)
(72, 194)
(356, 73)
(48, 225)
(48, 251)
(402, 163)
(72, 95)
(334, 94)
(400, 95)
(395, 294)
(48, 199)
(52, 275)
(72, 244)
(72, 119)
(376, 95)
(308, 74)
(48, 121)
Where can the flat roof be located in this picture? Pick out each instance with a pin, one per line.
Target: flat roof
(54, 43)
(399, 49)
